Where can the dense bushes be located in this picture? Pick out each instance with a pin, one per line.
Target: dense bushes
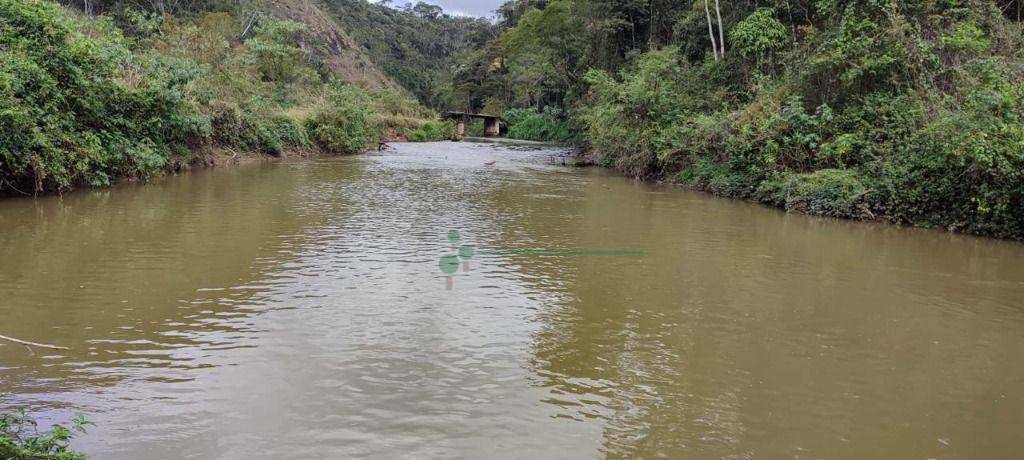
(532, 125)
(636, 122)
(337, 131)
(443, 130)
(272, 134)
(83, 109)
(906, 111)
(964, 169)
(83, 104)
(911, 113)
(827, 192)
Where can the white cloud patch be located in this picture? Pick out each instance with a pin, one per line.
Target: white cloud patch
(479, 8)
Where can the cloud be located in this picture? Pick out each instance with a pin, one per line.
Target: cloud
(480, 8)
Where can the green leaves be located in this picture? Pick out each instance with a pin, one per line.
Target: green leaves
(20, 439)
(348, 124)
(70, 116)
(828, 192)
(531, 125)
(433, 130)
(759, 35)
(275, 52)
(902, 111)
(966, 36)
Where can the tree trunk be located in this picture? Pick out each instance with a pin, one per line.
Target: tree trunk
(651, 27)
(721, 30)
(711, 30)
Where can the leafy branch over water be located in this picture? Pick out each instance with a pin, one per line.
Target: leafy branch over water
(20, 438)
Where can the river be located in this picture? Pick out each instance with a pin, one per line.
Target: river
(305, 310)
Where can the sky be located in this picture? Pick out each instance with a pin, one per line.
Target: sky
(481, 8)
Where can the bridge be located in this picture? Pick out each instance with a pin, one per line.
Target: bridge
(492, 123)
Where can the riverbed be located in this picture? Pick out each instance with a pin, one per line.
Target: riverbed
(460, 300)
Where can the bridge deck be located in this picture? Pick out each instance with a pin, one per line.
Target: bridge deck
(453, 114)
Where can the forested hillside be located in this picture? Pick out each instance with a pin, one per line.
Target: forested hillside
(98, 91)
(417, 45)
(904, 111)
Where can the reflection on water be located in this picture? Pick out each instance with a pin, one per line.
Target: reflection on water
(291, 310)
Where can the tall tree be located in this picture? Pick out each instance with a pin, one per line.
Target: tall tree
(721, 30)
(711, 30)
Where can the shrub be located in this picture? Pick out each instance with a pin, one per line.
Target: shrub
(272, 134)
(719, 178)
(397, 104)
(633, 123)
(827, 192)
(966, 37)
(82, 109)
(341, 132)
(960, 172)
(19, 439)
(270, 140)
(434, 131)
(290, 131)
(347, 124)
(529, 124)
(759, 35)
(274, 50)
(280, 133)
(232, 127)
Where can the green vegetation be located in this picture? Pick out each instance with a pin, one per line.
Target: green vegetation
(88, 100)
(21, 440)
(78, 106)
(417, 45)
(434, 131)
(531, 125)
(905, 111)
(442, 60)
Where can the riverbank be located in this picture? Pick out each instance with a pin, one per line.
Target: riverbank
(91, 101)
(918, 159)
(909, 112)
(215, 157)
(589, 158)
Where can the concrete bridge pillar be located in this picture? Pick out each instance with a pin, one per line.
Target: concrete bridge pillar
(492, 124)
(492, 127)
(460, 127)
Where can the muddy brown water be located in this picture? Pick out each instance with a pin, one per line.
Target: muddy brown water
(302, 310)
